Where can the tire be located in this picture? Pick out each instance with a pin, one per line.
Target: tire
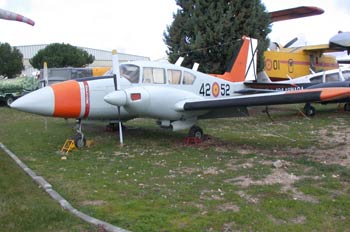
(196, 132)
(9, 100)
(309, 111)
(347, 107)
(79, 141)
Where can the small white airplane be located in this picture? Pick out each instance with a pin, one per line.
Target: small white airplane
(176, 97)
(8, 15)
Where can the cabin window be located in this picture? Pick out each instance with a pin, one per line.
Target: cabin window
(189, 78)
(316, 79)
(346, 75)
(154, 75)
(332, 77)
(174, 76)
(130, 72)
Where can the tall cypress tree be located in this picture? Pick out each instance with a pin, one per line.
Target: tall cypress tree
(208, 32)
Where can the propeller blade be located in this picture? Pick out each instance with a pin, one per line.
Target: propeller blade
(116, 73)
(290, 42)
(115, 67)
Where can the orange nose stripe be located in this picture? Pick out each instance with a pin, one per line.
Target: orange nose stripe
(67, 99)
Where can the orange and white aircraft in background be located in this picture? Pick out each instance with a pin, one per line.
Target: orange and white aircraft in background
(176, 97)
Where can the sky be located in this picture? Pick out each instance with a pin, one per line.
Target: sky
(137, 26)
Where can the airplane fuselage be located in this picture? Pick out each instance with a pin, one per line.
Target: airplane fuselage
(152, 90)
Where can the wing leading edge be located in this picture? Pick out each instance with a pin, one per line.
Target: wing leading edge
(290, 97)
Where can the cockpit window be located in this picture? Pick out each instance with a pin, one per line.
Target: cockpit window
(332, 77)
(346, 75)
(316, 79)
(153, 75)
(174, 76)
(189, 78)
(130, 72)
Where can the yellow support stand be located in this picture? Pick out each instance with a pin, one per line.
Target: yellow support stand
(68, 146)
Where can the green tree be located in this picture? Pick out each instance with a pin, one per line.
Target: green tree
(61, 55)
(207, 32)
(10, 61)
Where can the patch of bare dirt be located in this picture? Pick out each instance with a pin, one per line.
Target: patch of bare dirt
(278, 176)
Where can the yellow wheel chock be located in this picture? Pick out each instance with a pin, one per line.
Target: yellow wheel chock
(68, 146)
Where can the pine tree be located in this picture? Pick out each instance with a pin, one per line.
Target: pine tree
(208, 32)
(61, 55)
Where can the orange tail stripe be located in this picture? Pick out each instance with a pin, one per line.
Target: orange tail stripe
(237, 73)
(240, 65)
(67, 99)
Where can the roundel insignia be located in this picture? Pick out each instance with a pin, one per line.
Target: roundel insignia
(215, 89)
(268, 64)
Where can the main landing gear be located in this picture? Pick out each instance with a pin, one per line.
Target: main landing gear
(347, 106)
(195, 135)
(195, 132)
(79, 138)
(309, 110)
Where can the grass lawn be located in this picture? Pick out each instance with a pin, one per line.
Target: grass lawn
(253, 174)
(25, 207)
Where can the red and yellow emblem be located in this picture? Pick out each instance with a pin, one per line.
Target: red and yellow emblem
(215, 89)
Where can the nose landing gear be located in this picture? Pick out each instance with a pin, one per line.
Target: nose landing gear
(79, 138)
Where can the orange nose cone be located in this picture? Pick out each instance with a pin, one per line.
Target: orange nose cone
(67, 99)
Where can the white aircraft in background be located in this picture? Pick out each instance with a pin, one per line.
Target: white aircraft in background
(336, 78)
(176, 97)
(8, 15)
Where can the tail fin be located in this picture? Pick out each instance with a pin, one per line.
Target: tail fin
(243, 63)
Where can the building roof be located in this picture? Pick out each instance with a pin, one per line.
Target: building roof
(29, 51)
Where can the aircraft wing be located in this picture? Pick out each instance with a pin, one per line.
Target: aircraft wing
(339, 42)
(275, 98)
(322, 48)
(293, 13)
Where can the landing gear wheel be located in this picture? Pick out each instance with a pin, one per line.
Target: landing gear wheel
(347, 106)
(79, 141)
(196, 132)
(9, 100)
(309, 110)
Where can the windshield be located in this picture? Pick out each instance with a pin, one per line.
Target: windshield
(128, 71)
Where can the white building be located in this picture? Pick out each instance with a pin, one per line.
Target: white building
(102, 58)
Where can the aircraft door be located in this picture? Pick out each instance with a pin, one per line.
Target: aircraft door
(290, 65)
